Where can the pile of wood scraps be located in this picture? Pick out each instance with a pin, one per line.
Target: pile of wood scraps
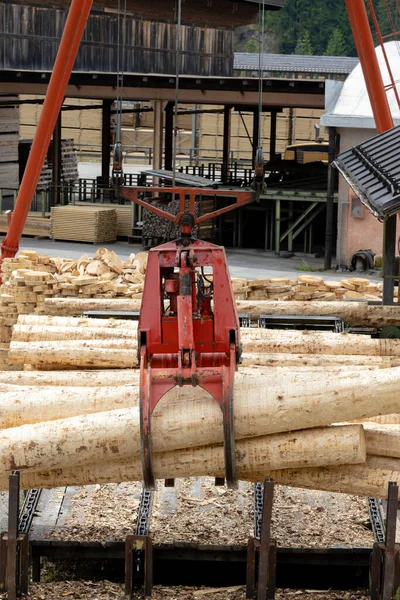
(307, 287)
(30, 279)
(75, 223)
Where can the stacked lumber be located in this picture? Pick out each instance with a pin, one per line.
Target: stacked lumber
(69, 161)
(307, 287)
(9, 133)
(124, 216)
(35, 225)
(46, 176)
(75, 223)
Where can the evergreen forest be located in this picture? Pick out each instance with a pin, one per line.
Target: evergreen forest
(313, 27)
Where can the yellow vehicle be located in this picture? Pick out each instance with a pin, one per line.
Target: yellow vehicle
(307, 152)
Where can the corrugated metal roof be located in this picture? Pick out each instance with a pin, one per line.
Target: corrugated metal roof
(332, 65)
(372, 170)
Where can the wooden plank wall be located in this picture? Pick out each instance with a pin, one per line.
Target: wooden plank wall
(209, 13)
(29, 38)
(84, 126)
(9, 123)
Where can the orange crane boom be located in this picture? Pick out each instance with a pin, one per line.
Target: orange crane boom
(69, 45)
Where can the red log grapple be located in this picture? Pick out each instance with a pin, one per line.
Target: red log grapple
(189, 330)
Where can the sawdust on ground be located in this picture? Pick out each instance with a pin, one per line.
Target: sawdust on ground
(88, 590)
(100, 512)
(197, 511)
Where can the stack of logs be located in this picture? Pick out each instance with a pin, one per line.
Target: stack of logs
(307, 287)
(68, 426)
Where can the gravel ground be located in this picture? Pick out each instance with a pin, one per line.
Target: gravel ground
(78, 590)
(197, 511)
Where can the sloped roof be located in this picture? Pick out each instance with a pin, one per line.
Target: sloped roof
(295, 63)
(352, 107)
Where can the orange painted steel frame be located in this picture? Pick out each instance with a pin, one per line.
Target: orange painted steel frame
(188, 335)
(369, 63)
(69, 45)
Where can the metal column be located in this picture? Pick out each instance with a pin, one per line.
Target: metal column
(330, 199)
(226, 150)
(389, 259)
(56, 160)
(272, 135)
(169, 135)
(157, 135)
(106, 141)
(256, 121)
(277, 226)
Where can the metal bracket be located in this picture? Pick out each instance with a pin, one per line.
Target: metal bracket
(385, 558)
(138, 564)
(261, 551)
(14, 547)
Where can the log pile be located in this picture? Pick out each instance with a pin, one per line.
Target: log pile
(283, 416)
(306, 288)
(76, 223)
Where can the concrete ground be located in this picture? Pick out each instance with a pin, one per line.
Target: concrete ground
(247, 263)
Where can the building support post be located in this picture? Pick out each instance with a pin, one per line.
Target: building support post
(272, 136)
(389, 259)
(226, 149)
(56, 161)
(277, 227)
(169, 136)
(256, 123)
(157, 134)
(332, 175)
(106, 142)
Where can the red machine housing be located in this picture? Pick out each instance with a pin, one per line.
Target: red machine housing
(189, 330)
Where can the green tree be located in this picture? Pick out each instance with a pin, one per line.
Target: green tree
(252, 45)
(336, 44)
(288, 24)
(303, 45)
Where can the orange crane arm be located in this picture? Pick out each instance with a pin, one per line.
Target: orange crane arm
(369, 63)
(74, 27)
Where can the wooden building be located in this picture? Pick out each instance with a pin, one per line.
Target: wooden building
(30, 33)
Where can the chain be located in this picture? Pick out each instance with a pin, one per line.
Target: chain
(144, 512)
(258, 508)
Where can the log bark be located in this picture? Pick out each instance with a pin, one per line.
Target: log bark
(367, 479)
(392, 419)
(189, 417)
(10, 380)
(354, 313)
(46, 333)
(382, 440)
(76, 306)
(81, 322)
(110, 352)
(316, 342)
(358, 314)
(319, 360)
(103, 437)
